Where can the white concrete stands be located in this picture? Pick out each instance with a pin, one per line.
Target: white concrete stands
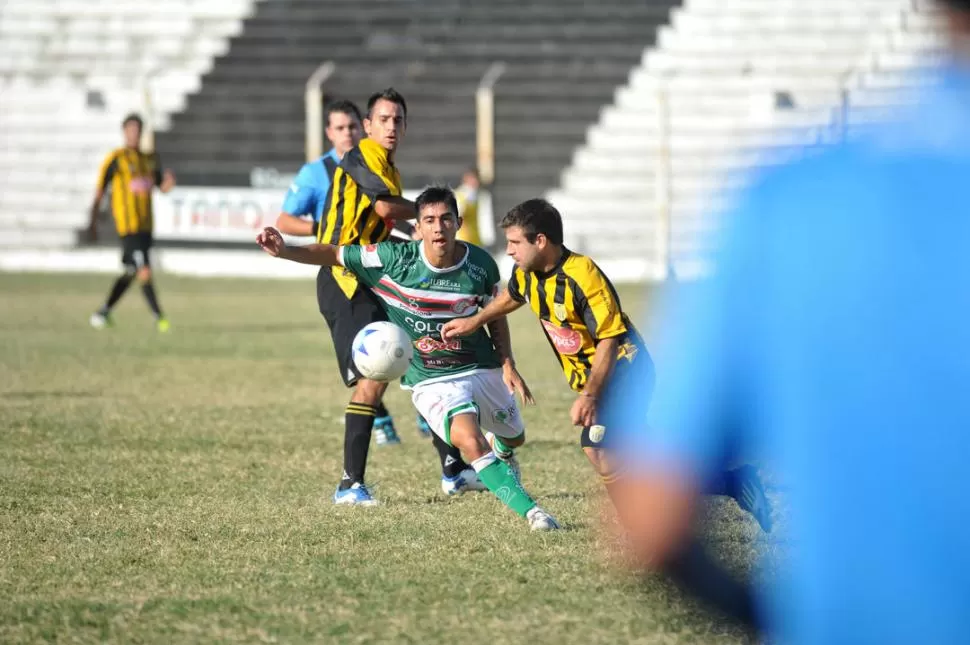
(747, 83)
(69, 71)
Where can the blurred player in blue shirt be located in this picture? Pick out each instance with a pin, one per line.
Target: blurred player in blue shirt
(834, 342)
(307, 196)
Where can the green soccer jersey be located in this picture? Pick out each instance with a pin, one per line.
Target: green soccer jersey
(421, 298)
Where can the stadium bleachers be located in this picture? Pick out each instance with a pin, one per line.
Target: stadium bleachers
(748, 83)
(69, 71)
(564, 59)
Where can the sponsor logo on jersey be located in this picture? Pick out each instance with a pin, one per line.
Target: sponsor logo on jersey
(475, 271)
(427, 344)
(442, 362)
(464, 306)
(423, 326)
(566, 341)
(428, 282)
(140, 185)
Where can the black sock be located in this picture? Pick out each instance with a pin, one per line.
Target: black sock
(382, 411)
(149, 290)
(117, 290)
(359, 421)
(451, 462)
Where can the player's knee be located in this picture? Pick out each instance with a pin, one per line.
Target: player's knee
(369, 392)
(144, 274)
(514, 442)
(597, 460)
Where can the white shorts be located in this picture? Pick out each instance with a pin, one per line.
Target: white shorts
(482, 393)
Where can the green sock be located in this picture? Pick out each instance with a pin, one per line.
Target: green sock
(499, 446)
(499, 479)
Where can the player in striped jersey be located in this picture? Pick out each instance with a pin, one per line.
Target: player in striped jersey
(130, 175)
(601, 352)
(363, 203)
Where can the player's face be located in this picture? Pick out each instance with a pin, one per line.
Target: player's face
(438, 227)
(386, 124)
(132, 134)
(520, 249)
(343, 131)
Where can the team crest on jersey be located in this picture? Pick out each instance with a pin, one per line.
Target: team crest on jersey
(465, 305)
(627, 351)
(559, 310)
(504, 415)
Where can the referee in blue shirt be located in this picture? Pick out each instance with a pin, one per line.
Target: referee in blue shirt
(834, 342)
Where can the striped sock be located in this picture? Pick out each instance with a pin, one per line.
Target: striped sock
(358, 424)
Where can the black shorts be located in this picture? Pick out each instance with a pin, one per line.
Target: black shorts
(624, 402)
(136, 251)
(345, 317)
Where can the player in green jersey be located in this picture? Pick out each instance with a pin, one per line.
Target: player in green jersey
(464, 386)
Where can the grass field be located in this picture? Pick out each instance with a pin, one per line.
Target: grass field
(175, 489)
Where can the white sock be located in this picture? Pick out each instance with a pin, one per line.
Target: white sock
(484, 461)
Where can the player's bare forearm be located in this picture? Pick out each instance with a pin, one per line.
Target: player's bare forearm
(168, 181)
(324, 255)
(395, 208)
(501, 335)
(293, 225)
(603, 362)
(501, 307)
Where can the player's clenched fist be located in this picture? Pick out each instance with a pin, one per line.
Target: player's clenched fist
(271, 241)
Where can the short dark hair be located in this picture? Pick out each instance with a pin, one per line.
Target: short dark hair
(390, 94)
(133, 118)
(437, 195)
(959, 5)
(536, 216)
(342, 106)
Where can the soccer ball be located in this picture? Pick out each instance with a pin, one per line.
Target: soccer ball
(382, 351)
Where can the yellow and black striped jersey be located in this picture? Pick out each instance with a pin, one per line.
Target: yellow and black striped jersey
(130, 175)
(365, 174)
(577, 306)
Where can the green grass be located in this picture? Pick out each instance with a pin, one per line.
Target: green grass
(175, 488)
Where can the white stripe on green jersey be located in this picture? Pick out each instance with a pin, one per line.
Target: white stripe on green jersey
(421, 298)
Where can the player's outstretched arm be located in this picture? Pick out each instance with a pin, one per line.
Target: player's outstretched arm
(392, 207)
(293, 225)
(272, 242)
(502, 306)
(501, 335)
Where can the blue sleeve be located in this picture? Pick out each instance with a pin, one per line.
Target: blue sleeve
(303, 197)
(706, 350)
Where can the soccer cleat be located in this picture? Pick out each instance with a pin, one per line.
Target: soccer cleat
(424, 428)
(751, 497)
(465, 481)
(163, 325)
(356, 495)
(100, 320)
(384, 432)
(508, 457)
(539, 520)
